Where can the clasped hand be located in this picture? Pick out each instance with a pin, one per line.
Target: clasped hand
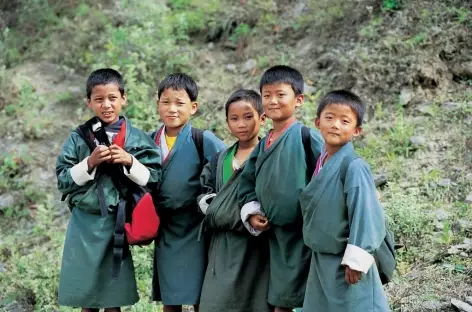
(112, 154)
(259, 223)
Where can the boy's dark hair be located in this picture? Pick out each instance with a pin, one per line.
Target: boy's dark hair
(104, 76)
(249, 96)
(179, 81)
(283, 74)
(343, 97)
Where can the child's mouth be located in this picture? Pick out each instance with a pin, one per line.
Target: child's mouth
(107, 114)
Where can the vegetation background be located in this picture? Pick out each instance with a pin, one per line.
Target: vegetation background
(411, 61)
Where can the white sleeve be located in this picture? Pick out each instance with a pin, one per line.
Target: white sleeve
(357, 259)
(248, 210)
(79, 173)
(138, 173)
(203, 204)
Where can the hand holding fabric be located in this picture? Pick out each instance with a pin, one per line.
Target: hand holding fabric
(100, 154)
(120, 156)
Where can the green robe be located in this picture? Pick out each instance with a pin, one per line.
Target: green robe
(237, 276)
(275, 177)
(85, 279)
(180, 259)
(336, 215)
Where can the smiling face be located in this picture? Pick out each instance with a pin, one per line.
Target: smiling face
(338, 125)
(106, 102)
(279, 101)
(175, 108)
(244, 121)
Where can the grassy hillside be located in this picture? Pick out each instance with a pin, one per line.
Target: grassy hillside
(410, 60)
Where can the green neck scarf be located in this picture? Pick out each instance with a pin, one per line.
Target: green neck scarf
(228, 164)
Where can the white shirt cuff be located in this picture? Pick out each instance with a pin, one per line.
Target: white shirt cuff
(203, 204)
(79, 173)
(357, 258)
(248, 210)
(138, 173)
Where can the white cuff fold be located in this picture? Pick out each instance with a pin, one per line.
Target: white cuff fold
(203, 204)
(248, 210)
(79, 173)
(138, 173)
(357, 258)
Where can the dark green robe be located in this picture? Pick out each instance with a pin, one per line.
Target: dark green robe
(275, 178)
(85, 279)
(237, 276)
(336, 215)
(180, 259)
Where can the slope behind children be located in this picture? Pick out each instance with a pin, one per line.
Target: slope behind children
(180, 259)
(271, 182)
(343, 220)
(87, 261)
(237, 276)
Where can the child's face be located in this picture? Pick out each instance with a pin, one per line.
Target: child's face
(338, 124)
(279, 101)
(106, 102)
(244, 121)
(175, 108)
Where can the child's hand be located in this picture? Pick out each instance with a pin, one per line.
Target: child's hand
(100, 154)
(352, 276)
(119, 156)
(259, 222)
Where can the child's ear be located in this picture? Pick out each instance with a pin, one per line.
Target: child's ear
(262, 118)
(89, 102)
(317, 123)
(125, 99)
(299, 100)
(194, 108)
(357, 131)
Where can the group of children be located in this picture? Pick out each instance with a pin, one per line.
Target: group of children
(253, 227)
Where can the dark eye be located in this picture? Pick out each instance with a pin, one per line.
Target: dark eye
(346, 121)
(234, 118)
(181, 103)
(329, 117)
(266, 96)
(248, 117)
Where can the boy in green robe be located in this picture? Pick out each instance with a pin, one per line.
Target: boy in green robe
(343, 222)
(85, 177)
(270, 185)
(237, 275)
(180, 258)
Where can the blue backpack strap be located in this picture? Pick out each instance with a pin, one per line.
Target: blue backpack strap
(347, 160)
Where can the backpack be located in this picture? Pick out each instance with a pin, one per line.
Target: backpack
(137, 221)
(385, 255)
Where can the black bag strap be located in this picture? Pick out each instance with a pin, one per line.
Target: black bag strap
(116, 174)
(214, 169)
(309, 155)
(197, 136)
(119, 240)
